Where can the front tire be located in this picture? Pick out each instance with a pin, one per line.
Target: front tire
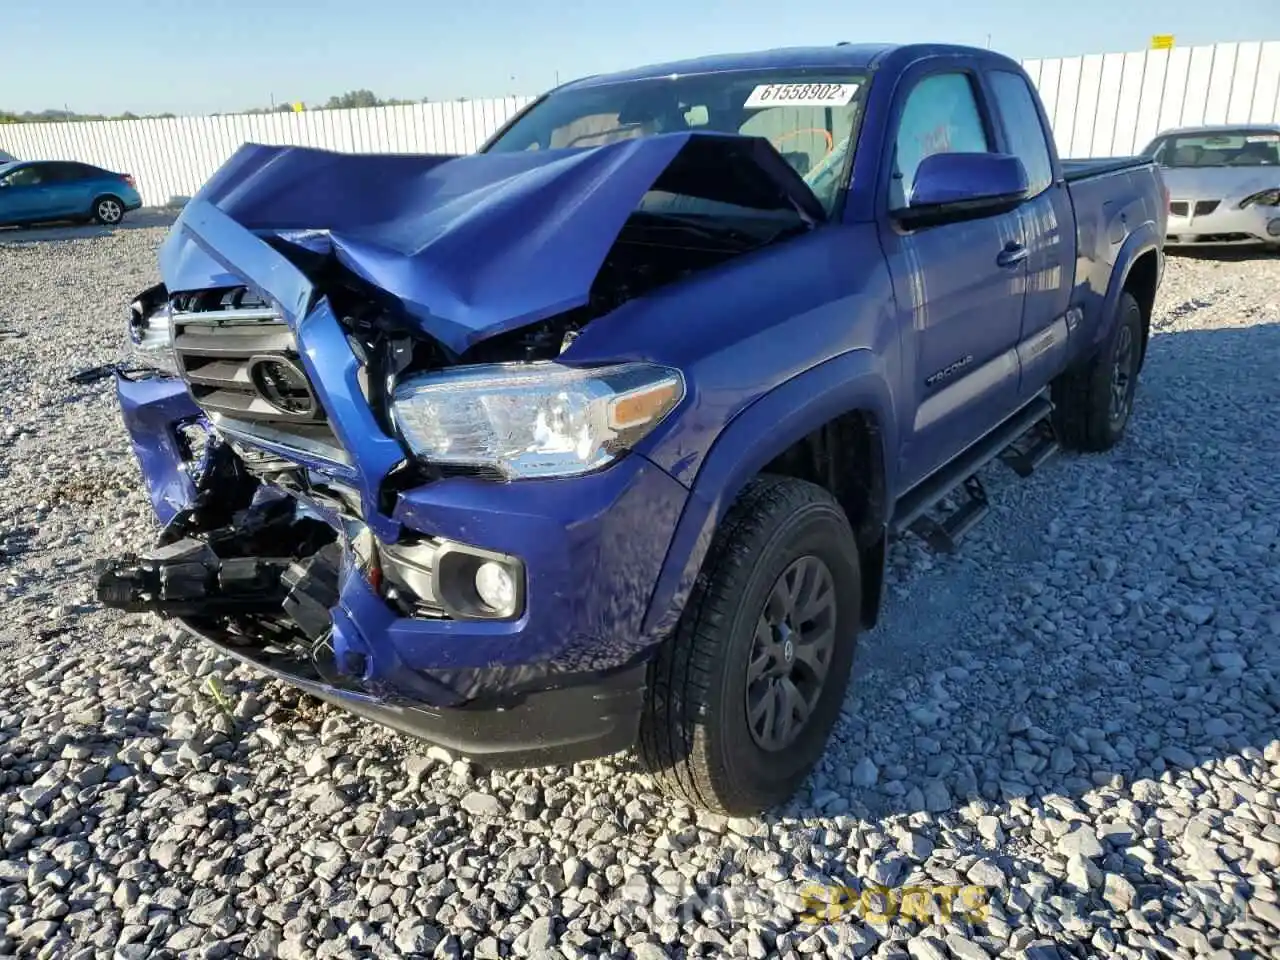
(1093, 402)
(743, 696)
(108, 211)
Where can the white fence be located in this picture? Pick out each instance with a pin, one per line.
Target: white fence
(172, 158)
(1114, 103)
(1100, 105)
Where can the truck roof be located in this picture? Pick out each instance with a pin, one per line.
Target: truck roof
(847, 56)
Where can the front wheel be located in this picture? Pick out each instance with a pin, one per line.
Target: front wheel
(108, 211)
(743, 696)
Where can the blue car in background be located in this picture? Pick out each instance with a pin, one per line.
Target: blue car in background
(36, 191)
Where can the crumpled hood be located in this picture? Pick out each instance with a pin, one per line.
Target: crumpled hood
(472, 245)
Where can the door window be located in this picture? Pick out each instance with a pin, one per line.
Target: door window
(27, 177)
(61, 173)
(940, 116)
(1023, 127)
(75, 172)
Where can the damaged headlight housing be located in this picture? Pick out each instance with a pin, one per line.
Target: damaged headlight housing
(533, 419)
(151, 338)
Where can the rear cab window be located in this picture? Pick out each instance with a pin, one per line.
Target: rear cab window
(1023, 127)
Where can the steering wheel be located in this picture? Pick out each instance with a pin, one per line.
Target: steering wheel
(777, 142)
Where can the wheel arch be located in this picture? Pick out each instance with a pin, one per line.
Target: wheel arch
(799, 429)
(1142, 281)
(1137, 271)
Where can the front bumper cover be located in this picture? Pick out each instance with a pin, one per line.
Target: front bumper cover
(1226, 226)
(560, 725)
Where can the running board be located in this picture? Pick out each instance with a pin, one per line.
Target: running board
(911, 512)
(1032, 451)
(943, 534)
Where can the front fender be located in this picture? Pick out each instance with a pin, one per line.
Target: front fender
(851, 381)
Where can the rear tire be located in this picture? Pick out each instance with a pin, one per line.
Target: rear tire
(108, 210)
(709, 733)
(1093, 402)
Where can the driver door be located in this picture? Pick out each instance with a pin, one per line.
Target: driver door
(959, 286)
(21, 194)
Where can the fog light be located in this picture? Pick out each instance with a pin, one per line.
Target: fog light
(477, 584)
(1273, 228)
(496, 587)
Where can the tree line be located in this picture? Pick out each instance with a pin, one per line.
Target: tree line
(346, 101)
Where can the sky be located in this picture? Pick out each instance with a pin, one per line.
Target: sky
(203, 56)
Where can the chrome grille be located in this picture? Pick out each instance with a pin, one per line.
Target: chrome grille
(240, 361)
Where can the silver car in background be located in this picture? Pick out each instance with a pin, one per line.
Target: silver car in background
(1223, 182)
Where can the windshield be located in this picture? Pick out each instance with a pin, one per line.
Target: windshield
(810, 117)
(1231, 148)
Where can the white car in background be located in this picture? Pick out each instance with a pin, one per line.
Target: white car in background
(1223, 182)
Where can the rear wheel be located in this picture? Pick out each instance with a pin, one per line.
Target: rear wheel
(743, 696)
(1092, 403)
(108, 210)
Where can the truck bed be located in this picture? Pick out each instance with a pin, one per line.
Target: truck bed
(1075, 170)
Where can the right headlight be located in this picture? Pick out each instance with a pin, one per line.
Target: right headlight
(1263, 198)
(533, 419)
(151, 338)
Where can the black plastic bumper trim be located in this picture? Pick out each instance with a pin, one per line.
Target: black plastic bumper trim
(555, 726)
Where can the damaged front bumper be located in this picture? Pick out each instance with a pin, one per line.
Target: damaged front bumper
(327, 610)
(368, 612)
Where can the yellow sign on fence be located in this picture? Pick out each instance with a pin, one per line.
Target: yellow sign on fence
(1162, 41)
(297, 108)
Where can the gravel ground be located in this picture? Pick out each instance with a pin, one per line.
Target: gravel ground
(1077, 715)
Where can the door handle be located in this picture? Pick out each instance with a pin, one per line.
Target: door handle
(1012, 254)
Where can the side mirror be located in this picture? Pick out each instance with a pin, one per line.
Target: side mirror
(963, 186)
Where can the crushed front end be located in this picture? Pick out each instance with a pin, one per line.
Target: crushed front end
(476, 614)
(380, 474)
(301, 536)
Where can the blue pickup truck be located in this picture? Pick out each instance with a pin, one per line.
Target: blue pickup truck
(594, 440)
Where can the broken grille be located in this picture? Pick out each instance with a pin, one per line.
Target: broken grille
(240, 361)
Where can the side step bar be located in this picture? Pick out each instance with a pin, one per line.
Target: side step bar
(1025, 441)
(1032, 451)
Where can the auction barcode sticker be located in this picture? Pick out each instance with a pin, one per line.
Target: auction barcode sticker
(801, 95)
